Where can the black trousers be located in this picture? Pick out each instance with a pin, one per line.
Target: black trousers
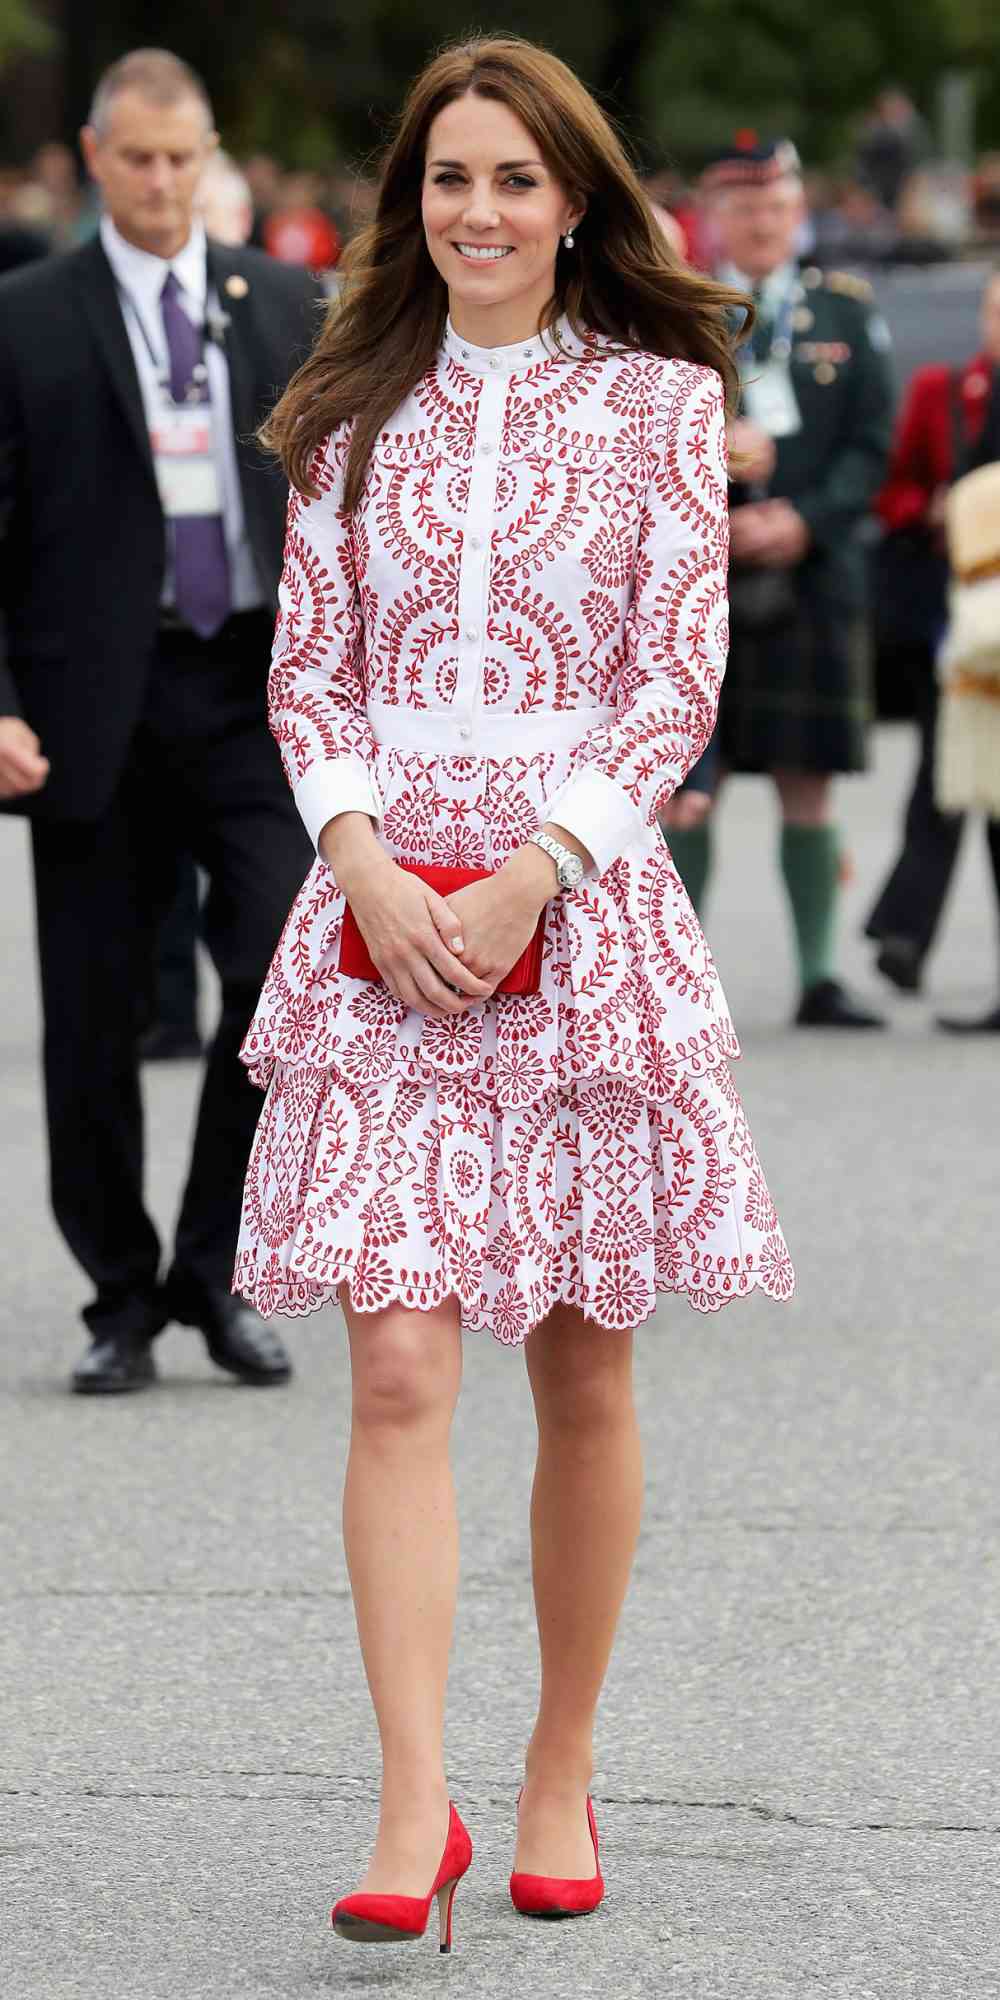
(173, 1001)
(910, 904)
(203, 777)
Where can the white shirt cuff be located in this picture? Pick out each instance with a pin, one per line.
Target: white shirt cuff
(598, 813)
(341, 785)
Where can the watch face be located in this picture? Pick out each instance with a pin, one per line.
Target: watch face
(571, 871)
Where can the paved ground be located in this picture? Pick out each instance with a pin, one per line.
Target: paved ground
(799, 1741)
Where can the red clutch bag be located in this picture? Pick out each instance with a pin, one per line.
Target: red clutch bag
(356, 961)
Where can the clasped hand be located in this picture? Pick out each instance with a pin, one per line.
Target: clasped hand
(768, 532)
(425, 944)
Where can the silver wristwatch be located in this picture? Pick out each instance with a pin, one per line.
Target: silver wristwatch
(568, 865)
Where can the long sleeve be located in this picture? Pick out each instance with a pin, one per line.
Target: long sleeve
(10, 455)
(316, 696)
(676, 632)
(913, 475)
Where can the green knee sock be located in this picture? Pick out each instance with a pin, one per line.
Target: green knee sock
(810, 863)
(691, 851)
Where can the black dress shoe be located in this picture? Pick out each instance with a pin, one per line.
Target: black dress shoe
(981, 1024)
(235, 1335)
(165, 1043)
(113, 1365)
(827, 1004)
(901, 962)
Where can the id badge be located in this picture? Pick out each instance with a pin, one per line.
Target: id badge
(769, 400)
(184, 461)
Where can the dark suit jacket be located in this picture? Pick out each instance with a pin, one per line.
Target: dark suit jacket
(82, 539)
(833, 466)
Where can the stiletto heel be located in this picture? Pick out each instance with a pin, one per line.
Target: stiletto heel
(364, 1919)
(446, 1898)
(554, 1896)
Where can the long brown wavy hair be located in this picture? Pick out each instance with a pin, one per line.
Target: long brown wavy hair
(622, 279)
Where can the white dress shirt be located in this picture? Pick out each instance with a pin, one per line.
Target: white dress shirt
(140, 277)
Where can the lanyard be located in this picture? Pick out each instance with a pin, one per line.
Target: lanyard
(781, 332)
(197, 390)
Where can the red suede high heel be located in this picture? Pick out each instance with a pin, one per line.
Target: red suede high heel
(553, 1896)
(396, 1919)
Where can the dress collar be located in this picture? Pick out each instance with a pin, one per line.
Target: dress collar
(143, 275)
(518, 357)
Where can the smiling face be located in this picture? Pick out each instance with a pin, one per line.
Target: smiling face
(493, 214)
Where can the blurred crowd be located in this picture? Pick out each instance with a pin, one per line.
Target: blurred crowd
(893, 203)
(299, 217)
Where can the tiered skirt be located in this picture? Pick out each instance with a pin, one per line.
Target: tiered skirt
(583, 1144)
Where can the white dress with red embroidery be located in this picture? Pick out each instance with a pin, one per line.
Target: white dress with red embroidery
(524, 620)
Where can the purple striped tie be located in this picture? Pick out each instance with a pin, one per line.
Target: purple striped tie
(201, 566)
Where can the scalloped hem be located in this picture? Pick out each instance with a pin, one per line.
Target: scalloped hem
(297, 1298)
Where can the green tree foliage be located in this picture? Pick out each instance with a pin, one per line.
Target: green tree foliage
(787, 67)
(319, 81)
(22, 31)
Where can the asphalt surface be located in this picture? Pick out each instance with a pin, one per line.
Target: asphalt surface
(797, 1784)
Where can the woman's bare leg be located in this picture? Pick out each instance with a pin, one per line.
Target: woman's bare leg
(586, 1506)
(401, 1538)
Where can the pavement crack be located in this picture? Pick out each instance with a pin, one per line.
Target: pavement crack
(331, 1789)
(776, 1815)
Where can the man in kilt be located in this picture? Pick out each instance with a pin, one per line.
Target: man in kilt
(808, 454)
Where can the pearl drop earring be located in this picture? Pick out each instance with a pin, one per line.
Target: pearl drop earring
(568, 239)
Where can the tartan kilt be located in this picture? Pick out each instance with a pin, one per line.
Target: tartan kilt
(799, 697)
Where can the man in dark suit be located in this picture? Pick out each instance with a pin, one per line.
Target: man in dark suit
(141, 533)
(809, 455)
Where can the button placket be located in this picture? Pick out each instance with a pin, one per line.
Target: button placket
(477, 536)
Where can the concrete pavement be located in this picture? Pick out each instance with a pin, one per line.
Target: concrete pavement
(797, 1784)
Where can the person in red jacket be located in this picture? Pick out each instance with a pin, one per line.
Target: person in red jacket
(942, 419)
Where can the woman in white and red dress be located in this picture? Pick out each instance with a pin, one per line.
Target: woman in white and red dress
(503, 613)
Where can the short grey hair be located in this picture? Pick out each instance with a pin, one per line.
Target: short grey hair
(155, 74)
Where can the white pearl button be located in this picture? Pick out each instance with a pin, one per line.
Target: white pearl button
(494, 363)
(472, 631)
(465, 354)
(464, 730)
(475, 541)
(527, 351)
(486, 449)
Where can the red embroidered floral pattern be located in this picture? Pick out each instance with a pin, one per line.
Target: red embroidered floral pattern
(591, 1195)
(585, 1143)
